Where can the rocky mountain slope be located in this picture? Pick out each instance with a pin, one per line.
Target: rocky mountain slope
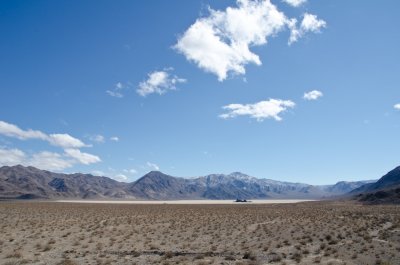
(158, 186)
(30, 182)
(385, 190)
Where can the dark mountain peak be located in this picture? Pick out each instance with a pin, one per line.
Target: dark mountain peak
(155, 172)
(156, 178)
(385, 190)
(155, 175)
(157, 185)
(390, 180)
(392, 177)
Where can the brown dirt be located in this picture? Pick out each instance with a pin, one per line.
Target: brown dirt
(303, 233)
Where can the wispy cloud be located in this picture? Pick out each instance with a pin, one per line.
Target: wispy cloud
(50, 161)
(312, 95)
(397, 106)
(117, 90)
(220, 42)
(120, 178)
(114, 139)
(153, 166)
(123, 176)
(295, 3)
(98, 138)
(310, 23)
(130, 171)
(271, 108)
(61, 140)
(159, 82)
(81, 157)
(114, 93)
(65, 141)
(14, 131)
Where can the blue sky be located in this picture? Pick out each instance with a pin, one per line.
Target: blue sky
(301, 91)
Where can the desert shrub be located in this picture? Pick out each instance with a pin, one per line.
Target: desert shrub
(67, 262)
(249, 255)
(230, 257)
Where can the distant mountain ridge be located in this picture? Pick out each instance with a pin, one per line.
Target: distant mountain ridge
(346, 186)
(29, 182)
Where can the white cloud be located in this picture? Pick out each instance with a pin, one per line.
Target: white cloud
(114, 175)
(159, 82)
(295, 3)
(65, 141)
(14, 131)
(295, 32)
(130, 171)
(312, 95)
(220, 43)
(310, 23)
(116, 91)
(11, 157)
(98, 138)
(83, 158)
(60, 140)
(115, 94)
(261, 110)
(120, 177)
(153, 166)
(49, 161)
(397, 106)
(43, 160)
(114, 139)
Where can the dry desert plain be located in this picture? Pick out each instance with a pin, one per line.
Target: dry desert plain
(122, 233)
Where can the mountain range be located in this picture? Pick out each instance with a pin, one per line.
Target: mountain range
(29, 183)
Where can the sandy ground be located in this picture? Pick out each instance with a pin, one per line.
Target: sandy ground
(186, 201)
(123, 233)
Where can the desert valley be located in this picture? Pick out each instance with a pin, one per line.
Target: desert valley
(362, 227)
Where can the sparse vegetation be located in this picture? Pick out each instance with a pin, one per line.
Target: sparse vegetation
(305, 233)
